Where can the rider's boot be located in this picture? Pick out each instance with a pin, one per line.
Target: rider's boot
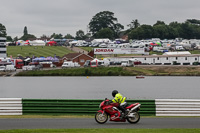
(121, 116)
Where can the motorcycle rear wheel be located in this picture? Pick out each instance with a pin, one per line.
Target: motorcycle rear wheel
(135, 119)
(101, 118)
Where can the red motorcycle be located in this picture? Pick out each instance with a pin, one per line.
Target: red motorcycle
(111, 110)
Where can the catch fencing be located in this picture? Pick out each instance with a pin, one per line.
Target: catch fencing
(76, 106)
(177, 107)
(10, 106)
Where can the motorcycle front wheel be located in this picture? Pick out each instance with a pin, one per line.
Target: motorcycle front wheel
(135, 118)
(101, 118)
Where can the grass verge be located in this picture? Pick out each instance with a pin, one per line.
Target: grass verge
(118, 71)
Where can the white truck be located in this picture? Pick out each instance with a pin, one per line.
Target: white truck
(70, 64)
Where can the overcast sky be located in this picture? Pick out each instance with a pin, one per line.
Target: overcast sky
(68, 16)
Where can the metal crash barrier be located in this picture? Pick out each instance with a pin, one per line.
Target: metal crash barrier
(177, 107)
(10, 106)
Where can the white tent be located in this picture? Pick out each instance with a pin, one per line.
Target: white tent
(37, 43)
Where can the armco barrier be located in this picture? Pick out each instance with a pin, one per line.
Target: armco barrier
(75, 106)
(177, 107)
(10, 106)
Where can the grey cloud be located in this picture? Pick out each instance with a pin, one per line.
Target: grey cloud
(68, 16)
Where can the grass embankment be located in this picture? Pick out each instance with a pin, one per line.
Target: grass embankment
(37, 51)
(118, 71)
(101, 131)
(101, 71)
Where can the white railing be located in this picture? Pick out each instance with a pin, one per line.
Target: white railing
(10, 106)
(177, 107)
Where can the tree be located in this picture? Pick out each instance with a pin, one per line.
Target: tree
(2, 30)
(9, 39)
(159, 23)
(25, 31)
(161, 31)
(80, 35)
(134, 24)
(193, 21)
(142, 32)
(15, 38)
(57, 36)
(105, 33)
(27, 36)
(117, 28)
(68, 36)
(103, 20)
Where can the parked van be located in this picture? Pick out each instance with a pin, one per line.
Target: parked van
(126, 63)
(130, 62)
(70, 64)
(97, 63)
(10, 68)
(87, 63)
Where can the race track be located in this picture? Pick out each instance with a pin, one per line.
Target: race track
(69, 123)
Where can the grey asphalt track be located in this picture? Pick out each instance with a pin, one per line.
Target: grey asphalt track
(69, 123)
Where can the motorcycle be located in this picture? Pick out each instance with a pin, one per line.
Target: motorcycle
(109, 109)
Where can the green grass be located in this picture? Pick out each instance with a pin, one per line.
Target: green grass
(101, 131)
(37, 51)
(87, 48)
(195, 52)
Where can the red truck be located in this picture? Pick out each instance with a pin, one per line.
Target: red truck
(18, 63)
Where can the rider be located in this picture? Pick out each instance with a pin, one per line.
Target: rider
(118, 98)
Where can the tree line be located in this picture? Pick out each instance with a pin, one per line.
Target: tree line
(105, 25)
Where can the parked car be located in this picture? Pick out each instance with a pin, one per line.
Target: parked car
(10, 68)
(2, 68)
(32, 66)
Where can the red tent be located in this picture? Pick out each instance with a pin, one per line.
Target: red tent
(51, 43)
(153, 44)
(27, 42)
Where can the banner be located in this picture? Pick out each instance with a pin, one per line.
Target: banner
(119, 51)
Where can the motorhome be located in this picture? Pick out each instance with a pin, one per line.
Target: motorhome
(124, 45)
(103, 45)
(112, 45)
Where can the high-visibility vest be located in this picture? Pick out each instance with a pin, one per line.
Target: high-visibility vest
(119, 98)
